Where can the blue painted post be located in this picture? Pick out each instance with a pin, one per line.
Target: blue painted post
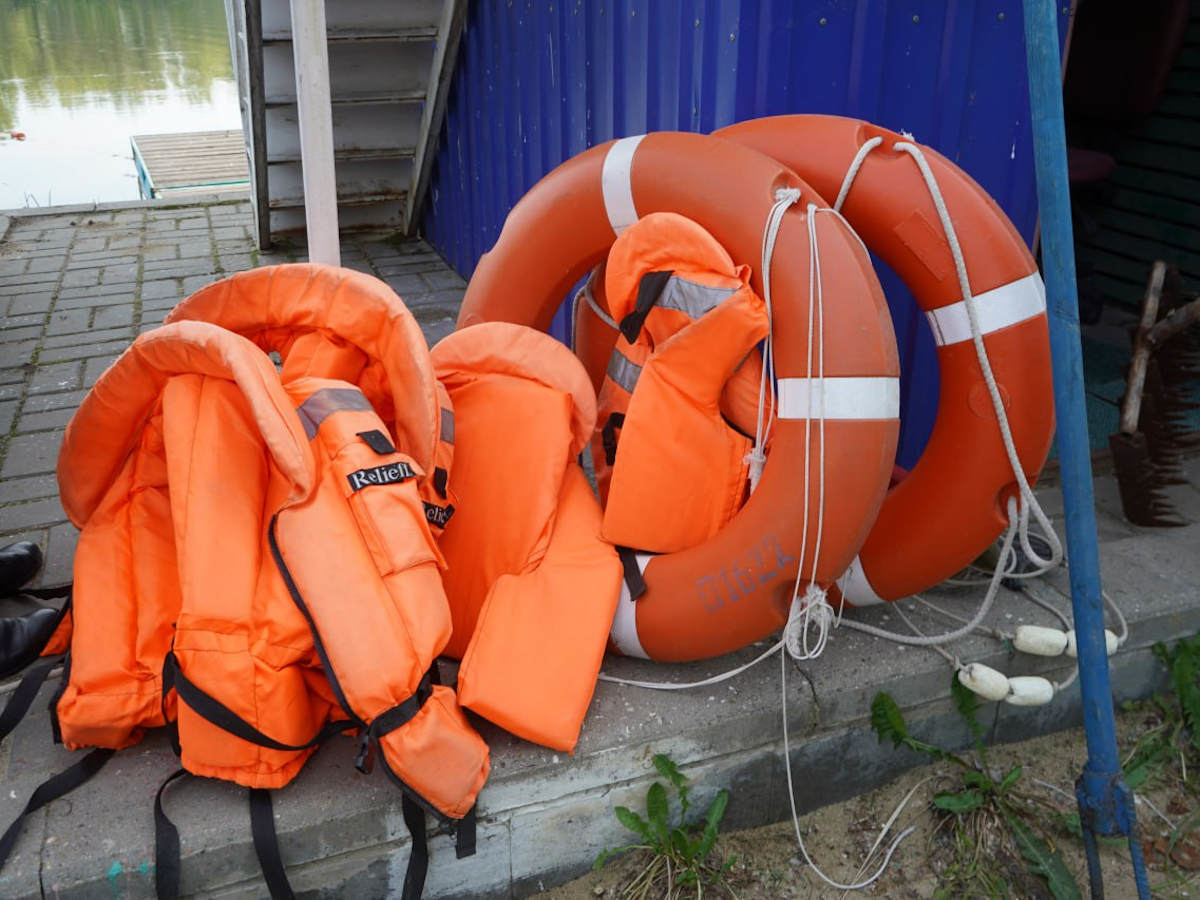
(1105, 802)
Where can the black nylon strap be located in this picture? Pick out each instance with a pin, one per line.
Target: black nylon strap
(53, 592)
(26, 692)
(650, 288)
(377, 441)
(440, 479)
(464, 835)
(266, 845)
(633, 573)
(223, 717)
(608, 436)
(50, 790)
(166, 845)
(418, 860)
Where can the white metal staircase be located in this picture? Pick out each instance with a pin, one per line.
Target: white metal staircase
(388, 71)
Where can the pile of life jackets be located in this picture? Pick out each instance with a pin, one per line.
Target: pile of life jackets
(290, 507)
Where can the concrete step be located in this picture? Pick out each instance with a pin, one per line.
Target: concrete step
(545, 815)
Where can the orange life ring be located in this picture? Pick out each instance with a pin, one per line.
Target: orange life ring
(951, 506)
(736, 587)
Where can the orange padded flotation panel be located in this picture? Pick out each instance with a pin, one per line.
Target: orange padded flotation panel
(531, 584)
(685, 360)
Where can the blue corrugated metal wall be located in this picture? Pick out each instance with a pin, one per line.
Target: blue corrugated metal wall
(538, 82)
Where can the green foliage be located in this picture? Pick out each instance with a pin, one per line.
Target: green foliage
(1042, 860)
(679, 854)
(979, 797)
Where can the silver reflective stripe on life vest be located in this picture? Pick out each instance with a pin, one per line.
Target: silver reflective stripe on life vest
(447, 426)
(692, 298)
(321, 404)
(623, 370)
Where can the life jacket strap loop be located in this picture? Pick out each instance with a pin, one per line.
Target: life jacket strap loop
(650, 288)
(388, 721)
(608, 436)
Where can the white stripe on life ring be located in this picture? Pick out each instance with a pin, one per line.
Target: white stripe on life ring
(616, 183)
(998, 308)
(855, 588)
(853, 397)
(624, 628)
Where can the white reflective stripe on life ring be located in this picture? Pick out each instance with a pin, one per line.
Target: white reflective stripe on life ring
(616, 184)
(998, 308)
(849, 397)
(624, 628)
(855, 588)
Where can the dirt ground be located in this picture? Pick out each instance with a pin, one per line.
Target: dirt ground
(768, 863)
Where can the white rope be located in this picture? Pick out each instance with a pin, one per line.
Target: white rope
(1029, 503)
(852, 172)
(601, 314)
(757, 458)
(810, 610)
(787, 758)
(684, 685)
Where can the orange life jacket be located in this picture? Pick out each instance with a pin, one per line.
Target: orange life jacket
(223, 540)
(532, 587)
(669, 464)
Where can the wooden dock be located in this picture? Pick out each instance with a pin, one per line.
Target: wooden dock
(190, 163)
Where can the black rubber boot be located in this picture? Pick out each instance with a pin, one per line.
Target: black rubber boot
(19, 562)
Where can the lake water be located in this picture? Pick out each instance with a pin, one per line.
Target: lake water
(80, 76)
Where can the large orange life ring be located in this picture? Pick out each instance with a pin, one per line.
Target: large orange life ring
(951, 506)
(736, 587)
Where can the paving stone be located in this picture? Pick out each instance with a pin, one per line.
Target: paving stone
(8, 409)
(45, 420)
(32, 487)
(68, 321)
(195, 282)
(16, 353)
(22, 321)
(444, 278)
(112, 317)
(29, 302)
(31, 515)
(11, 267)
(126, 272)
(112, 294)
(164, 287)
(160, 252)
(60, 555)
(406, 285)
(107, 349)
(178, 268)
(96, 366)
(58, 377)
(91, 336)
(37, 403)
(14, 375)
(125, 241)
(81, 277)
(88, 245)
(26, 333)
(46, 264)
(31, 454)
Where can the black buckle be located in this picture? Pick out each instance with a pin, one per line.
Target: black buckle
(368, 746)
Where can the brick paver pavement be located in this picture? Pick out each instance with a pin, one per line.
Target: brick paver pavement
(77, 287)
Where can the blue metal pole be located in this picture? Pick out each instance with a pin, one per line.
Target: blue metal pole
(1105, 802)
